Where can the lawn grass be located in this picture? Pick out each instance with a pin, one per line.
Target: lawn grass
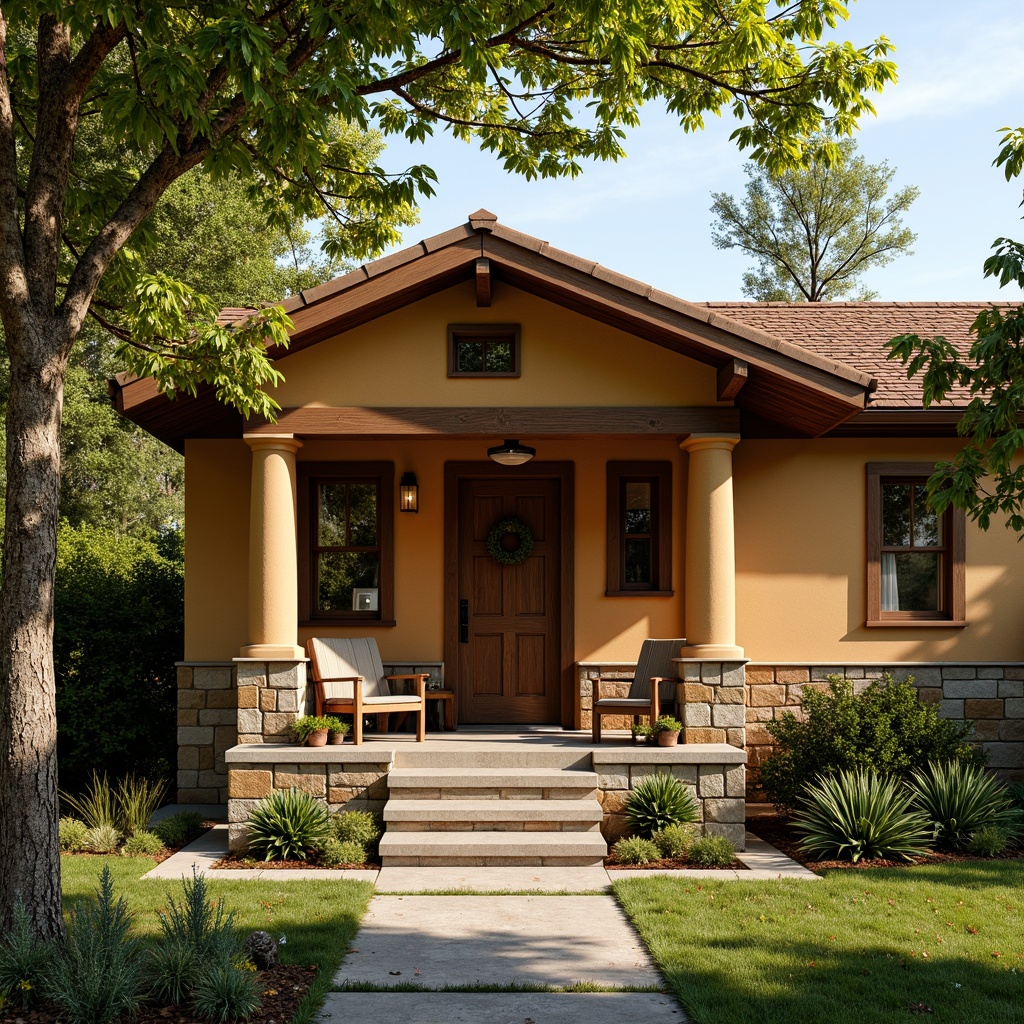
(318, 918)
(857, 947)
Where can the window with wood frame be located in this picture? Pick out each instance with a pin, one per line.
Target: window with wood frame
(915, 556)
(639, 511)
(346, 542)
(483, 350)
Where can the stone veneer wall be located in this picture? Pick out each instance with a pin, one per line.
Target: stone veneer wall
(991, 695)
(207, 714)
(271, 695)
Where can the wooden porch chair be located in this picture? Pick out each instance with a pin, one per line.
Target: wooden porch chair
(348, 678)
(653, 682)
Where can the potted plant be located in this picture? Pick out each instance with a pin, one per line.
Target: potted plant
(336, 730)
(641, 734)
(667, 730)
(312, 730)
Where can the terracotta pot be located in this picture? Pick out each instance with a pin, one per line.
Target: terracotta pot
(668, 739)
(317, 739)
(334, 738)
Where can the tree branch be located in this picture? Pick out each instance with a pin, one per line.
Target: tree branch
(13, 282)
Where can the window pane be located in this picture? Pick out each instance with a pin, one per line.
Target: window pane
(917, 579)
(638, 508)
(471, 356)
(332, 515)
(896, 515)
(339, 573)
(362, 515)
(927, 525)
(499, 357)
(638, 562)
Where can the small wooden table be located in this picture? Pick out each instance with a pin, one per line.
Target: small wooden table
(449, 720)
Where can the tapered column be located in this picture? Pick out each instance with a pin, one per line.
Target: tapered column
(710, 549)
(273, 565)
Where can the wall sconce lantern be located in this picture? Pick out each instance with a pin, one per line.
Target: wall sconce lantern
(511, 453)
(408, 493)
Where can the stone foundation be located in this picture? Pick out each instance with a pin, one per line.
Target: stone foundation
(615, 677)
(990, 695)
(207, 703)
(712, 701)
(271, 695)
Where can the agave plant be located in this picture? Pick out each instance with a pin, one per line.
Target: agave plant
(287, 825)
(855, 814)
(959, 799)
(657, 801)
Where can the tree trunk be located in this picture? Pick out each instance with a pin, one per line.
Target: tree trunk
(29, 810)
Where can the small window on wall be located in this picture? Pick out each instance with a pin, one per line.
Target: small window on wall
(639, 513)
(915, 556)
(483, 350)
(346, 536)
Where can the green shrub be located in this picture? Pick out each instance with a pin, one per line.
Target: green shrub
(136, 799)
(72, 834)
(657, 801)
(22, 960)
(362, 827)
(675, 840)
(1016, 793)
(287, 825)
(855, 814)
(885, 728)
(226, 993)
(178, 829)
(713, 852)
(341, 851)
(959, 799)
(103, 839)
(636, 850)
(96, 806)
(94, 974)
(171, 973)
(989, 841)
(142, 844)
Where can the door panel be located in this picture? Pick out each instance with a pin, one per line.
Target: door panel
(508, 671)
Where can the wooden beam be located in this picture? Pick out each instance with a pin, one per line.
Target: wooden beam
(483, 282)
(416, 422)
(731, 378)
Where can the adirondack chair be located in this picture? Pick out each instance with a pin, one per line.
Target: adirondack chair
(348, 678)
(653, 682)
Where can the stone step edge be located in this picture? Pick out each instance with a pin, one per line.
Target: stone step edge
(492, 844)
(465, 778)
(493, 810)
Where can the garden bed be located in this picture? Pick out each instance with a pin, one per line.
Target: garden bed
(282, 988)
(672, 864)
(776, 830)
(232, 861)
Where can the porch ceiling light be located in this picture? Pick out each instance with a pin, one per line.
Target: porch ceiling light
(408, 493)
(511, 453)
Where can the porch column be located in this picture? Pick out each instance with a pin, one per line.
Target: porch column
(710, 549)
(273, 559)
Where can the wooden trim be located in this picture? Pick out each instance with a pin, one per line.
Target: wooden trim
(731, 378)
(483, 282)
(954, 580)
(908, 422)
(564, 472)
(307, 475)
(659, 474)
(509, 332)
(668, 422)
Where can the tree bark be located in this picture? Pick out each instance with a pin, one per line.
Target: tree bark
(29, 810)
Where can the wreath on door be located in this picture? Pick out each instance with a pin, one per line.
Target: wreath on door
(510, 542)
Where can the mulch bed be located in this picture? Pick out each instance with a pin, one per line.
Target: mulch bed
(776, 830)
(282, 988)
(673, 863)
(231, 861)
(158, 858)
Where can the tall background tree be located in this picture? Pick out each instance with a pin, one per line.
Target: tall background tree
(815, 230)
(986, 478)
(104, 106)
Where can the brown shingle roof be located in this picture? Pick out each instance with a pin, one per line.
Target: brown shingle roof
(855, 333)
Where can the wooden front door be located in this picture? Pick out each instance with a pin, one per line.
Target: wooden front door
(509, 641)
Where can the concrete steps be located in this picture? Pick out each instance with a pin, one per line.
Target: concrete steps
(492, 814)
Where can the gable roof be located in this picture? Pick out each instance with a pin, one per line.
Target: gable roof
(792, 369)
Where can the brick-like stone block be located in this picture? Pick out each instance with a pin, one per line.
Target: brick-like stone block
(188, 758)
(239, 810)
(975, 689)
(211, 778)
(757, 734)
(959, 672)
(736, 737)
(253, 673)
(736, 834)
(685, 773)
(1011, 729)
(1005, 755)
(1013, 672)
(725, 715)
(613, 776)
(703, 735)
(951, 709)
(586, 688)
(248, 697)
(206, 757)
(924, 677)
(268, 700)
(990, 671)
(314, 785)
(929, 694)
(277, 723)
(191, 699)
(710, 781)
(696, 716)
(983, 709)
(184, 677)
(188, 779)
(1013, 707)
(221, 698)
(209, 678)
(224, 737)
(734, 674)
(735, 780)
(757, 674)
(697, 693)
(196, 735)
(202, 796)
(218, 716)
(691, 672)
(283, 675)
(793, 675)
(250, 720)
(288, 700)
(238, 838)
(188, 718)
(730, 810)
(711, 672)
(986, 729)
(731, 695)
(613, 801)
(614, 827)
(1011, 688)
(249, 785)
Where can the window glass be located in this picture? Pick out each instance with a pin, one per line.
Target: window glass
(471, 356)
(927, 525)
(347, 576)
(896, 515)
(362, 515)
(341, 575)
(638, 507)
(333, 514)
(638, 561)
(917, 581)
(499, 357)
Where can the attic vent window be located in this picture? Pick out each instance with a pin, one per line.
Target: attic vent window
(483, 350)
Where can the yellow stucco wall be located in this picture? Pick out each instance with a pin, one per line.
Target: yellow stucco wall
(801, 550)
(567, 359)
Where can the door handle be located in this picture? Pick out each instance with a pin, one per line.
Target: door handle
(463, 622)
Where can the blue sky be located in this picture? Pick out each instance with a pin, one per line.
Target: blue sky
(961, 79)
